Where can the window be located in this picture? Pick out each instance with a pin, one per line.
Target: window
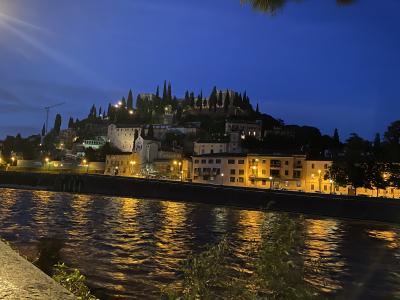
(298, 184)
(286, 172)
(232, 179)
(312, 187)
(241, 172)
(296, 174)
(212, 151)
(286, 162)
(264, 172)
(196, 161)
(231, 161)
(210, 161)
(326, 166)
(217, 161)
(241, 161)
(264, 182)
(325, 188)
(241, 179)
(275, 163)
(274, 173)
(233, 171)
(264, 161)
(312, 166)
(203, 161)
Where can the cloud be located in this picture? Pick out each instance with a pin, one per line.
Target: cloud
(8, 97)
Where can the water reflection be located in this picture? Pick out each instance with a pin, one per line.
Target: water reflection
(128, 248)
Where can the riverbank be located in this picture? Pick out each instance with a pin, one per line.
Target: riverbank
(362, 208)
(19, 279)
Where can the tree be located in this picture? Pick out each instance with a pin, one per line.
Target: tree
(165, 93)
(57, 124)
(336, 139)
(44, 129)
(192, 100)
(257, 109)
(220, 100)
(199, 102)
(272, 6)
(129, 102)
(227, 102)
(123, 103)
(212, 102)
(100, 112)
(376, 176)
(93, 112)
(169, 92)
(158, 91)
(353, 168)
(71, 123)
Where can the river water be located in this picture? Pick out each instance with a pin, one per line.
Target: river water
(129, 248)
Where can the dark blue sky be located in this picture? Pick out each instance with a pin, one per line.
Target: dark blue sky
(313, 63)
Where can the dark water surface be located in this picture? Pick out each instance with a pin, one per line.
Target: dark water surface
(129, 248)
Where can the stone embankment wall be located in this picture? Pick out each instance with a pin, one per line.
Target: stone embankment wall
(19, 279)
(376, 209)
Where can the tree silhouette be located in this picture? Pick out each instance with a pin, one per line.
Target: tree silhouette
(271, 6)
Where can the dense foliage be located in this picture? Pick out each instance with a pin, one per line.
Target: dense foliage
(277, 270)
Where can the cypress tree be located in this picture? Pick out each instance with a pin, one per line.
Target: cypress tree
(227, 101)
(100, 111)
(129, 103)
(199, 102)
(336, 139)
(123, 101)
(44, 129)
(219, 101)
(257, 109)
(192, 102)
(377, 141)
(244, 100)
(71, 123)
(158, 91)
(57, 124)
(164, 96)
(169, 92)
(212, 101)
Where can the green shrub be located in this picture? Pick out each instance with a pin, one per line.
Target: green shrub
(73, 281)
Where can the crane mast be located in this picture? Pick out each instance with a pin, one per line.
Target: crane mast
(47, 108)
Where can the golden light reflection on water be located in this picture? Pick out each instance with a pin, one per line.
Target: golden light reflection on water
(322, 241)
(170, 247)
(390, 237)
(249, 225)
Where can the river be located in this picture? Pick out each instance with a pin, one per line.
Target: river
(130, 248)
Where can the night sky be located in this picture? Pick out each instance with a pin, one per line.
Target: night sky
(313, 63)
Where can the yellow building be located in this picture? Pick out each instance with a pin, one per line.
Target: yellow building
(274, 171)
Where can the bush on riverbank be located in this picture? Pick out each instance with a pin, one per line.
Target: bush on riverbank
(278, 269)
(73, 281)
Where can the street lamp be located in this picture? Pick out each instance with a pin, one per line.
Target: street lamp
(132, 163)
(86, 164)
(222, 178)
(331, 186)
(270, 182)
(47, 160)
